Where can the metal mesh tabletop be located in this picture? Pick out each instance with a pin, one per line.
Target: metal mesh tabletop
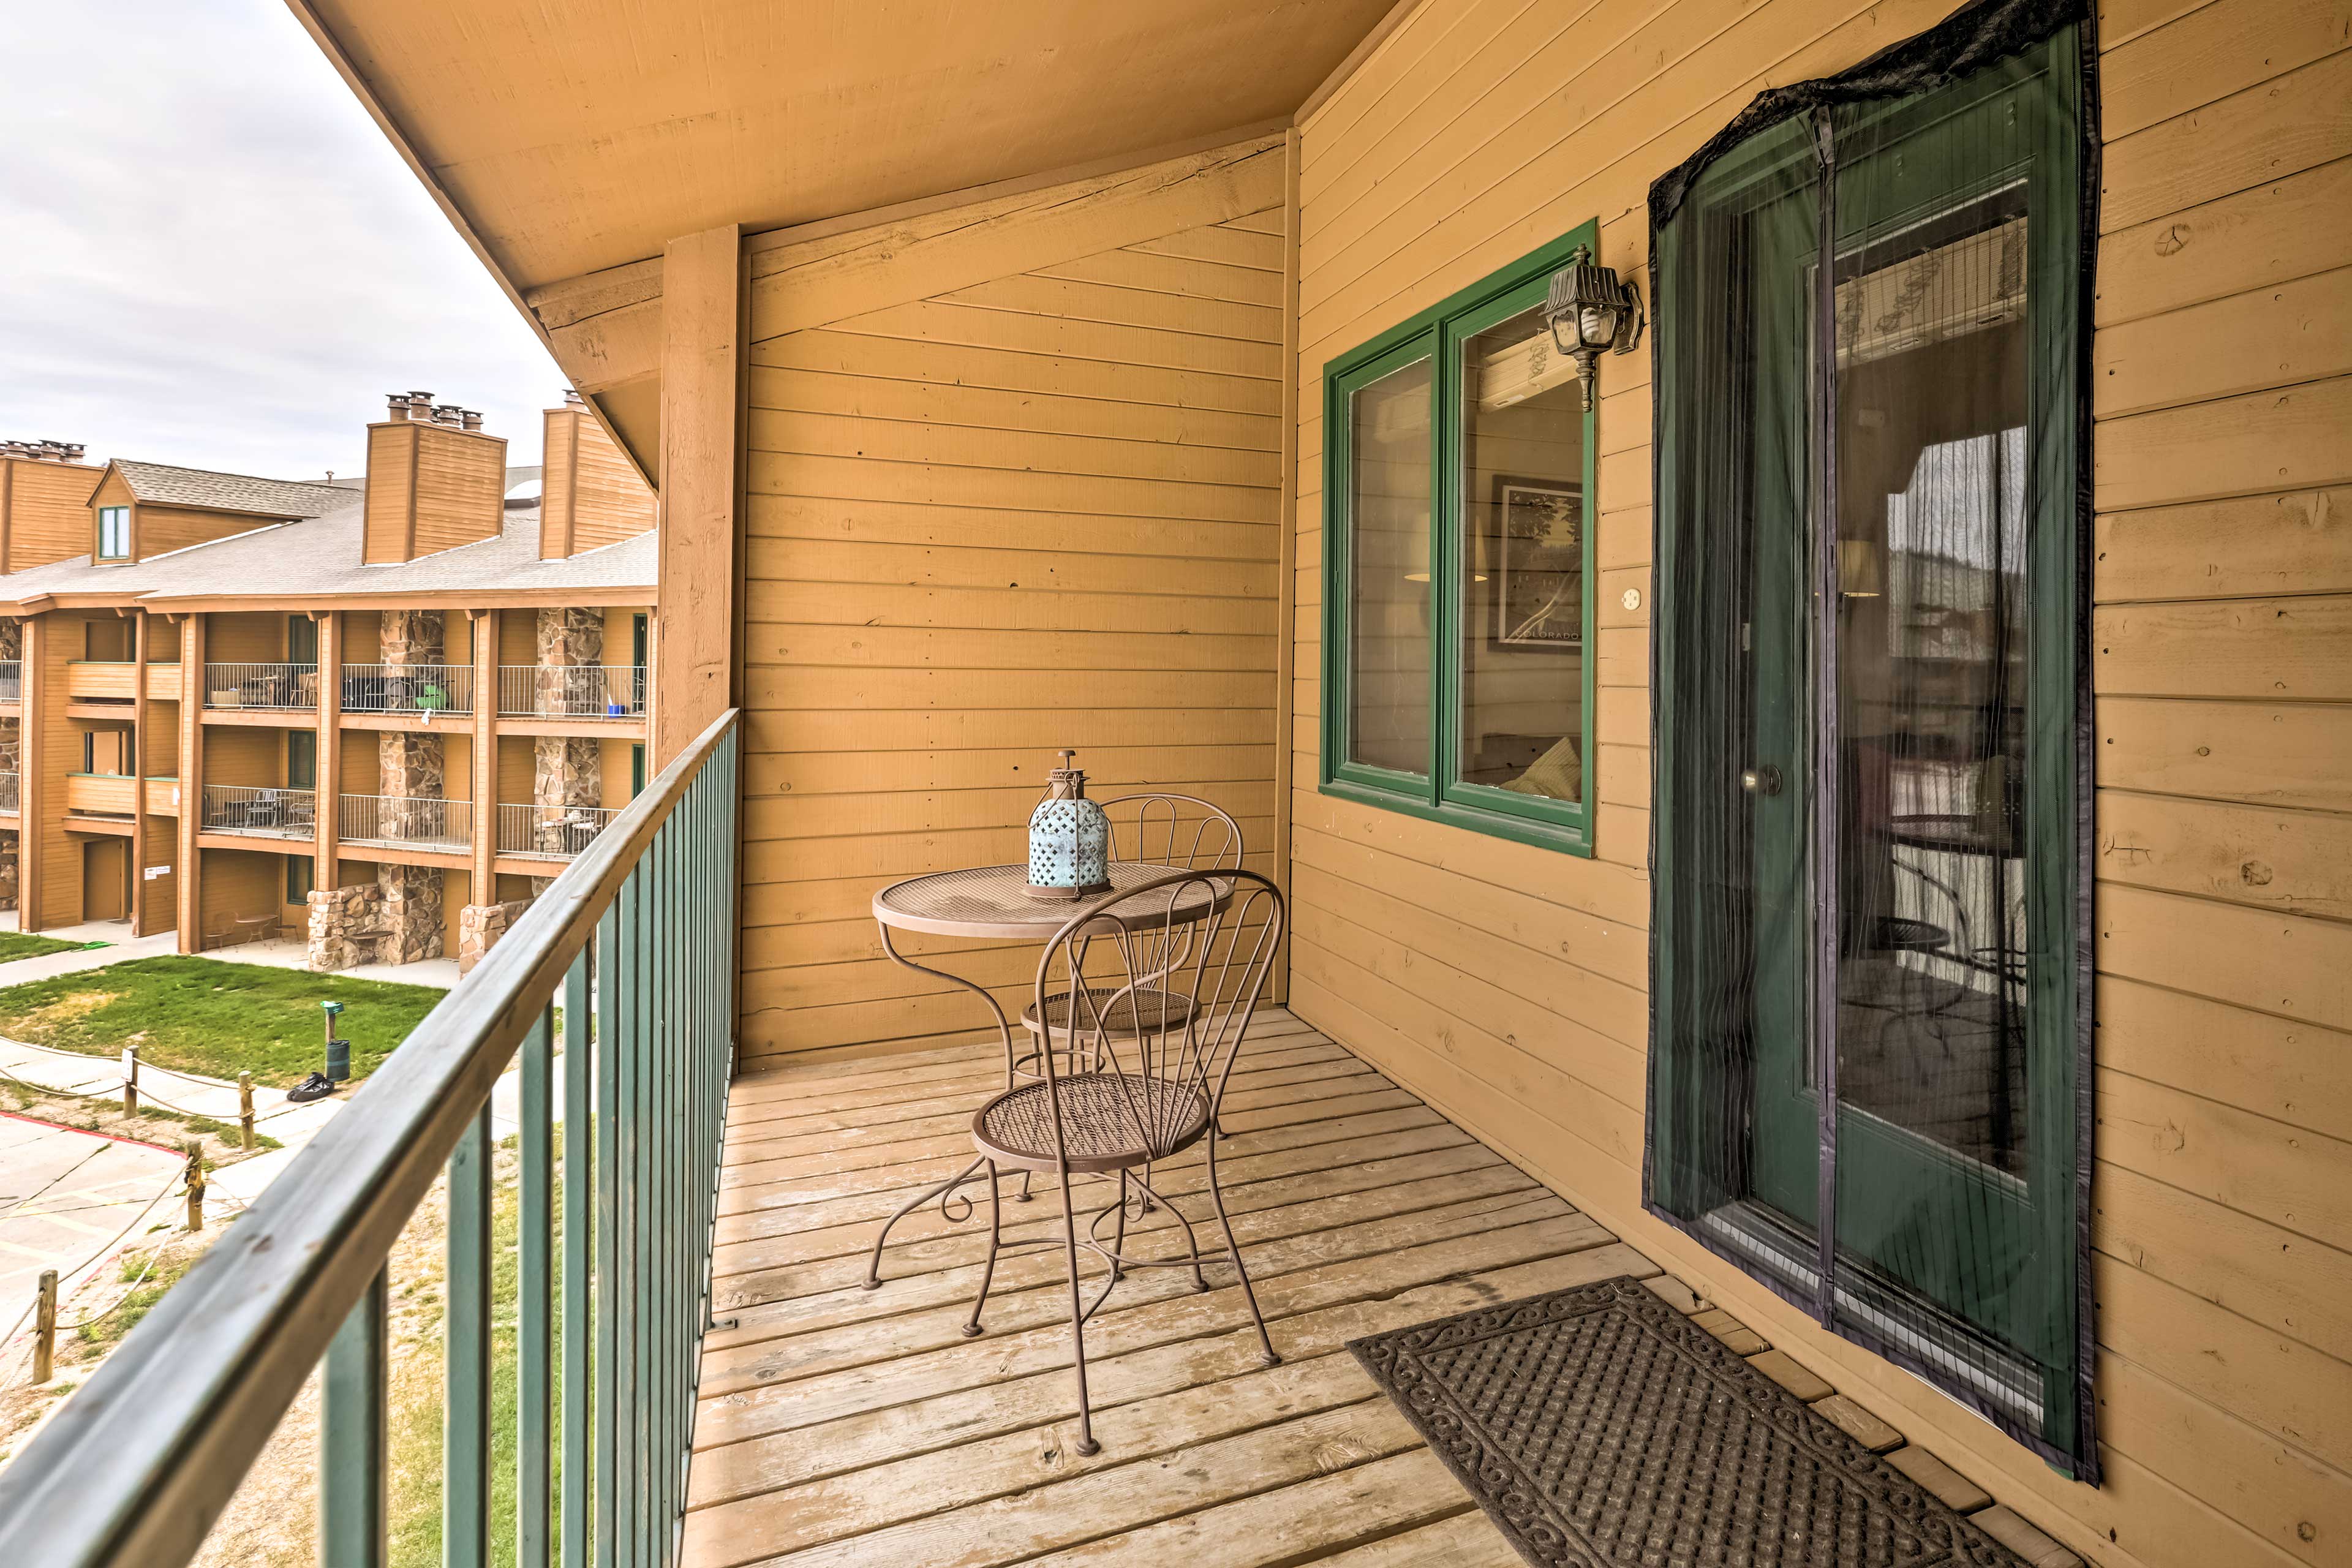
(993, 901)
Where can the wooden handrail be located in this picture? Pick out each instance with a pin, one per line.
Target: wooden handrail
(138, 1465)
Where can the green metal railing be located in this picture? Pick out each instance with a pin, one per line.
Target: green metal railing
(637, 933)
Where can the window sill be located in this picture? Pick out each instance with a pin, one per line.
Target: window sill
(1566, 840)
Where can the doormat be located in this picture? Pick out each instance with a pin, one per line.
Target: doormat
(1600, 1428)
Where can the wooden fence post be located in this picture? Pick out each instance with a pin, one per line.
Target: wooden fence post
(45, 1327)
(195, 1186)
(130, 1080)
(245, 1108)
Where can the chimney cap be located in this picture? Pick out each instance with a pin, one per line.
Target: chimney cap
(572, 398)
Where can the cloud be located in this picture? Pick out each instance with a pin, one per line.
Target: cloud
(213, 257)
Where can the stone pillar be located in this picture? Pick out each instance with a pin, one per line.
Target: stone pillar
(413, 910)
(9, 842)
(12, 638)
(569, 638)
(415, 637)
(411, 767)
(480, 926)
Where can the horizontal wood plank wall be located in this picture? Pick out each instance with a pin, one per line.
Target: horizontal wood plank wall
(1014, 485)
(1506, 984)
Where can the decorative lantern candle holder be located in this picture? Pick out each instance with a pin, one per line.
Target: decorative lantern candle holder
(1069, 839)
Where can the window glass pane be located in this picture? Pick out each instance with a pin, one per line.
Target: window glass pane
(1387, 558)
(1522, 568)
(1932, 616)
(301, 759)
(301, 641)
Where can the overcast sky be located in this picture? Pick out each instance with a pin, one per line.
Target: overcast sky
(210, 255)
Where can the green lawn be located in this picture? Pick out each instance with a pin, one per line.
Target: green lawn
(32, 944)
(202, 1016)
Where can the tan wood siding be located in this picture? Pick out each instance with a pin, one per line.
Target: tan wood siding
(160, 529)
(45, 512)
(1506, 984)
(1015, 485)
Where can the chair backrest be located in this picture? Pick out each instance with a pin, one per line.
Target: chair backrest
(1181, 831)
(1174, 1030)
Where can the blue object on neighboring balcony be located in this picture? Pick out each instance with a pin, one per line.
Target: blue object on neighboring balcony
(1069, 838)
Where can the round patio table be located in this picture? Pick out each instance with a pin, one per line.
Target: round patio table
(993, 903)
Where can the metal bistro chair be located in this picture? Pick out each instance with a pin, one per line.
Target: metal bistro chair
(1183, 833)
(1151, 1091)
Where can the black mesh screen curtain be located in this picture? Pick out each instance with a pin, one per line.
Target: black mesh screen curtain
(1869, 1080)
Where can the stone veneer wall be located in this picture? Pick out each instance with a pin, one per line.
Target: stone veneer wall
(480, 926)
(412, 766)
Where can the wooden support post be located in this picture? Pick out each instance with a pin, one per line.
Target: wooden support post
(328, 798)
(45, 1329)
(244, 1110)
(32, 771)
(187, 877)
(138, 911)
(195, 1186)
(130, 1080)
(703, 333)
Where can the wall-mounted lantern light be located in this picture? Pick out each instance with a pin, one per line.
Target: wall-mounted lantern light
(1590, 310)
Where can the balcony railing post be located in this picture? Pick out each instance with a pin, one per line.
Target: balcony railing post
(609, 1339)
(354, 1469)
(534, 1339)
(466, 1444)
(580, 1132)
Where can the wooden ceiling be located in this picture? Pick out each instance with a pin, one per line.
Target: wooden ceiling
(573, 135)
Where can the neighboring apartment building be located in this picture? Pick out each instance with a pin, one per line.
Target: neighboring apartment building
(375, 715)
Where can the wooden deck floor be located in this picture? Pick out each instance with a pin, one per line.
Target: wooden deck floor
(839, 1426)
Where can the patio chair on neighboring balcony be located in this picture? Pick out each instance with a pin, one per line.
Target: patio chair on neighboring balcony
(1150, 1094)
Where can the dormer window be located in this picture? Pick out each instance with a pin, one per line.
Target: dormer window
(114, 533)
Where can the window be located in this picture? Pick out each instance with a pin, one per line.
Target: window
(637, 769)
(301, 759)
(113, 533)
(1869, 928)
(1459, 664)
(300, 872)
(301, 641)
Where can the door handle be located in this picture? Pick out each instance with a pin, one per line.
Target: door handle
(1763, 780)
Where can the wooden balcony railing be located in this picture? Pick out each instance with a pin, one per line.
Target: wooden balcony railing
(106, 679)
(406, 822)
(105, 795)
(572, 690)
(136, 1466)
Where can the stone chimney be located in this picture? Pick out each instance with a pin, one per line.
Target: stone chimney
(434, 479)
(45, 492)
(590, 494)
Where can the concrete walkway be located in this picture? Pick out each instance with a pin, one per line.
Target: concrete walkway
(441, 973)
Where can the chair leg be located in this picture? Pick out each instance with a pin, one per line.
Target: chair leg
(1234, 1247)
(1088, 1446)
(988, 1269)
(874, 1264)
(1119, 1240)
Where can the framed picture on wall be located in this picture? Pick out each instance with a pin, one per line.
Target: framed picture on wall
(1538, 545)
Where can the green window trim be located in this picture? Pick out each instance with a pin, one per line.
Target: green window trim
(1437, 794)
(114, 533)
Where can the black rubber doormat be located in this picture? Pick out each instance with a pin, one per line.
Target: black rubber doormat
(1600, 1428)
